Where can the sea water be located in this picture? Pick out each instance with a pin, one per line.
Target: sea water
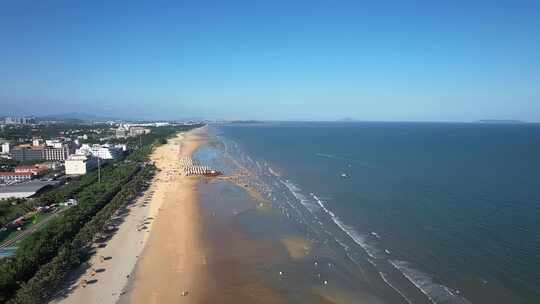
(439, 212)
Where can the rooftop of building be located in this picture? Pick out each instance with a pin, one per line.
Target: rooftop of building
(27, 189)
(16, 173)
(27, 167)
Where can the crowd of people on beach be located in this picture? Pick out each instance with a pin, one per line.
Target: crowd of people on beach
(192, 167)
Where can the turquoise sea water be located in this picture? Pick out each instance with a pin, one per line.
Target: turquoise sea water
(450, 212)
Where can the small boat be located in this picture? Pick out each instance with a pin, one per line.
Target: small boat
(344, 175)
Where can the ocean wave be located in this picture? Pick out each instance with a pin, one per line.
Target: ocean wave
(297, 193)
(435, 292)
(375, 234)
(342, 244)
(385, 279)
(274, 173)
(358, 238)
(325, 155)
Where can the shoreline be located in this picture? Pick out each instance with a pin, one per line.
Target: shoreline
(110, 270)
(174, 259)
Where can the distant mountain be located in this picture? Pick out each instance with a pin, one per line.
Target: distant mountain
(244, 121)
(76, 116)
(347, 119)
(501, 121)
(85, 117)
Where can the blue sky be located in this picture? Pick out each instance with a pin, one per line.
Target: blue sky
(307, 60)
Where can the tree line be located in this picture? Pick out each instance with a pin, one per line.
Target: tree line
(71, 255)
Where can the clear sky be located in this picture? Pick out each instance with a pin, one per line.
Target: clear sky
(316, 60)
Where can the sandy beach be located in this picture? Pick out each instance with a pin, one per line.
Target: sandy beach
(158, 234)
(174, 255)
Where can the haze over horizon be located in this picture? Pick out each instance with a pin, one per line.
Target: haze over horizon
(302, 60)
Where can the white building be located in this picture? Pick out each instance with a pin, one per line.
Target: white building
(122, 147)
(121, 132)
(54, 143)
(57, 154)
(101, 151)
(137, 130)
(79, 164)
(4, 149)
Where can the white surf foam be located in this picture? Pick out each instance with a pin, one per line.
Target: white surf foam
(349, 230)
(296, 191)
(435, 292)
(385, 279)
(274, 173)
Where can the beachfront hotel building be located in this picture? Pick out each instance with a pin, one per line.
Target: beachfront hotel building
(101, 151)
(60, 154)
(26, 153)
(78, 164)
(54, 152)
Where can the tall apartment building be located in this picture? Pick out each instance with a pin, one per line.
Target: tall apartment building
(18, 120)
(26, 153)
(51, 153)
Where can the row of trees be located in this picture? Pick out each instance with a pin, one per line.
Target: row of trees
(43, 245)
(71, 255)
